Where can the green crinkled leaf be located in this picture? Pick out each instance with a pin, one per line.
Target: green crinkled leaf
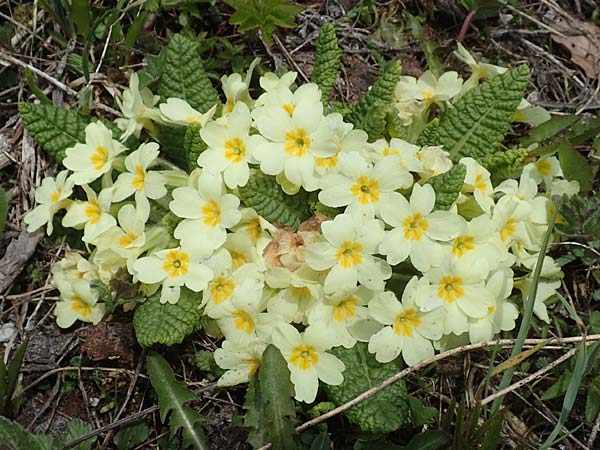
(57, 129)
(382, 92)
(16, 437)
(172, 397)
(172, 141)
(158, 323)
(327, 60)
(266, 197)
(4, 202)
(428, 134)
(183, 75)
(271, 410)
(480, 119)
(193, 145)
(131, 435)
(387, 410)
(447, 186)
(503, 164)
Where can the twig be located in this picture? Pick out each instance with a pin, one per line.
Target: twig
(455, 351)
(124, 420)
(594, 432)
(533, 376)
(289, 58)
(38, 72)
(533, 19)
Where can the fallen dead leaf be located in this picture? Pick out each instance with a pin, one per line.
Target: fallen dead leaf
(582, 39)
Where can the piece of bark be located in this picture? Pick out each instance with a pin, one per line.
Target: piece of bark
(18, 252)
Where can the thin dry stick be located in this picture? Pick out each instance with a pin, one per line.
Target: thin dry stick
(455, 351)
(38, 72)
(527, 379)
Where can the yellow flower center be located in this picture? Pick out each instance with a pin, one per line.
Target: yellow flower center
(176, 264)
(450, 288)
(328, 162)
(254, 229)
(289, 108)
(480, 183)
(221, 289)
(93, 211)
(55, 195)
(243, 321)
(99, 157)
(300, 293)
(212, 213)
(508, 230)
(238, 259)
(127, 239)
(415, 227)
(366, 190)
(297, 142)
(544, 167)
(462, 244)
(80, 306)
(390, 151)
(345, 309)
(235, 150)
(229, 105)
(406, 321)
(349, 254)
(139, 178)
(304, 356)
(193, 119)
(253, 365)
(427, 95)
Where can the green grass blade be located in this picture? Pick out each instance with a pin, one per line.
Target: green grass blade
(528, 312)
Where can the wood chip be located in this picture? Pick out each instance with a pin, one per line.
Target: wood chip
(18, 252)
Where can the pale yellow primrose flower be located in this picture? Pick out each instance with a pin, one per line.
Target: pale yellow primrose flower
(362, 187)
(434, 160)
(73, 266)
(207, 213)
(138, 179)
(351, 242)
(530, 114)
(229, 283)
(235, 90)
(417, 229)
(92, 215)
(91, 160)
(282, 99)
(78, 301)
(295, 139)
(339, 312)
(545, 290)
(127, 240)
(50, 197)
(174, 267)
(299, 292)
(501, 315)
(479, 238)
(137, 107)
(307, 359)
(459, 285)
(544, 170)
(230, 147)
(479, 70)
(176, 110)
(477, 180)
(242, 319)
(406, 152)
(509, 216)
(240, 361)
(428, 89)
(347, 140)
(408, 330)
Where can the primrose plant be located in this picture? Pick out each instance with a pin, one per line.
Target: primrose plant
(281, 217)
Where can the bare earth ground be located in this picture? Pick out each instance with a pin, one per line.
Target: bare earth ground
(97, 373)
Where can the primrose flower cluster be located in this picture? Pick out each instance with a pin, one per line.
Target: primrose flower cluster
(388, 269)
